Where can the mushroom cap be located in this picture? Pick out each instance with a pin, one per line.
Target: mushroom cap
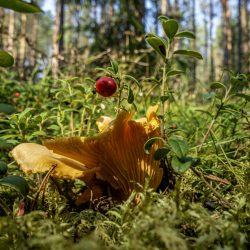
(115, 155)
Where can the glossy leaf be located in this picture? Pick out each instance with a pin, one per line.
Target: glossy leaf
(185, 34)
(157, 44)
(130, 95)
(191, 53)
(20, 6)
(160, 153)
(7, 108)
(170, 27)
(16, 182)
(149, 143)
(3, 168)
(175, 72)
(163, 18)
(246, 97)
(179, 146)
(6, 60)
(217, 85)
(181, 165)
(129, 77)
(114, 65)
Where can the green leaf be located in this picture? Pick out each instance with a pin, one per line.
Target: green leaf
(4, 144)
(80, 88)
(24, 113)
(149, 143)
(89, 80)
(20, 6)
(160, 153)
(38, 133)
(7, 108)
(114, 65)
(129, 77)
(152, 79)
(181, 165)
(157, 44)
(107, 71)
(6, 60)
(130, 95)
(170, 27)
(191, 53)
(246, 97)
(174, 72)
(204, 112)
(163, 18)
(179, 146)
(16, 182)
(185, 34)
(3, 168)
(217, 85)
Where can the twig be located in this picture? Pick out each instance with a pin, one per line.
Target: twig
(215, 192)
(216, 178)
(43, 184)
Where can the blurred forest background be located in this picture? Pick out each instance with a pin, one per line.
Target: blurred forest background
(71, 34)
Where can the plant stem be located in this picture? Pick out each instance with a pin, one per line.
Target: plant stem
(215, 192)
(163, 102)
(81, 122)
(43, 185)
(5, 207)
(178, 191)
(215, 117)
(119, 100)
(164, 88)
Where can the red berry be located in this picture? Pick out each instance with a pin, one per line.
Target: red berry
(106, 86)
(17, 94)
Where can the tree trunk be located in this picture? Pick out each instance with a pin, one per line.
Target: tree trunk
(58, 38)
(103, 25)
(169, 9)
(194, 46)
(11, 31)
(205, 19)
(61, 29)
(211, 40)
(246, 37)
(33, 38)
(2, 14)
(163, 7)
(110, 15)
(22, 45)
(227, 34)
(176, 13)
(239, 42)
(140, 16)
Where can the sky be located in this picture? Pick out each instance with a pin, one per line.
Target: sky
(49, 5)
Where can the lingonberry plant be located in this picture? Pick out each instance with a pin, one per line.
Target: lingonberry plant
(116, 80)
(166, 48)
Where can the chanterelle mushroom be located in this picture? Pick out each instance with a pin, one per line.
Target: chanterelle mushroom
(115, 155)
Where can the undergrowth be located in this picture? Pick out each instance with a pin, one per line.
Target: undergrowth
(155, 223)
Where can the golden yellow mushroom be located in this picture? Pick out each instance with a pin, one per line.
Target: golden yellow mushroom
(116, 155)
